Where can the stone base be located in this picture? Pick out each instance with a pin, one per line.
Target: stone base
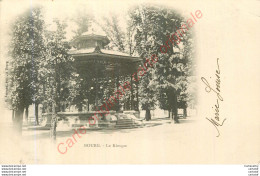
(77, 119)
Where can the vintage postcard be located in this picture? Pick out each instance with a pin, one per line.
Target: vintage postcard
(129, 82)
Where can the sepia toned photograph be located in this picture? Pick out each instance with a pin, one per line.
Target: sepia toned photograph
(115, 82)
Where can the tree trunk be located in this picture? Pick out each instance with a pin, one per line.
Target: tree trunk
(147, 114)
(80, 107)
(175, 115)
(18, 120)
(63, 107)
(169, 113)
(26, 113)
(175, 110)
(53, 123)
(13, 115)
(36, 114)
(185, 112)
(43, 109)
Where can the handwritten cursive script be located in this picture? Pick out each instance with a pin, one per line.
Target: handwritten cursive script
(216, 122)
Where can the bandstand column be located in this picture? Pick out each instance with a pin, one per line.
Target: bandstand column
(96, 85)
(132, 94)
(117, 84)
(137, 103)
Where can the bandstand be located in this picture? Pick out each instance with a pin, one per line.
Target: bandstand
(101, 71)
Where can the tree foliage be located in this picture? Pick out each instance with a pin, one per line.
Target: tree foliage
(82, 21)
(153, 27)
(26, 52)
(57, 67)
(39, 67)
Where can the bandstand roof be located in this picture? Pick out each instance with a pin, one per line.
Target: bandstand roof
(103, 53)
(90, 54)
(91, 36)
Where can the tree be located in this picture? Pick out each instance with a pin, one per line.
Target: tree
(188, 91)
(26, 51)
(154, 26)
(82, 21)
(145, 47)
(56, 72)
(175, 66)
(169, 71)
(114, 33)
